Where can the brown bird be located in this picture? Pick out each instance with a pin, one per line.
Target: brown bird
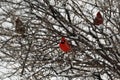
(19, 28)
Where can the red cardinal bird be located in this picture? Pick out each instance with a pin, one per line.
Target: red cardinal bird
(98, 19)
(64, 46)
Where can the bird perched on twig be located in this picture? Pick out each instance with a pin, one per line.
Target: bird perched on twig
(19, 28)
(64, 45)
(98, 19)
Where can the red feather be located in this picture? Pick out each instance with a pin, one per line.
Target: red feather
(98, 19)
(64, 46)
